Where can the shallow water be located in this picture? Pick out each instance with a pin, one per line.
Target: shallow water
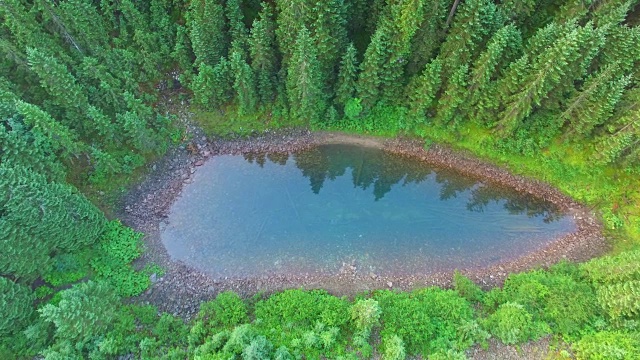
(317, 210)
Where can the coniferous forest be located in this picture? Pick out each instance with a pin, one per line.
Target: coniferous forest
(549, 89)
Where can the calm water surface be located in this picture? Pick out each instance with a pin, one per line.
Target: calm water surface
(313, 211)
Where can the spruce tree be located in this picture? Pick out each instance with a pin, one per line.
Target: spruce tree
(304, 88)
(41, 219)
(453, 97)
(424, 89)
(293, 15)
(533, 83)
(368, 87)
(244, 84)
(237, 30)
(56, 79)
(330, 36)
(429, 35)
(474, 22)
(62, 140)
(263, 54)
(595, 102)
(347, 76)
(207, 31)
(182, 52)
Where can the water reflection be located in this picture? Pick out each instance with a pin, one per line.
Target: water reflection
(373, 168)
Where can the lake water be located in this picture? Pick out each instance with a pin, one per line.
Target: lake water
(316, 210)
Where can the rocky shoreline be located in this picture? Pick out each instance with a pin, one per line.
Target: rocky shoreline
(182, 289)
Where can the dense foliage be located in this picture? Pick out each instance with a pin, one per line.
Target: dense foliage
(548, 88)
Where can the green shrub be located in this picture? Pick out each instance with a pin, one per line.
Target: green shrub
(426, 320)
(513, 324)
(16, 306)
(608, 345)
(353, 108)
(365, 314)
(118, 247)
(225, 312)
(259, 349)
(239, 339)
(302, 309)
(393, 348)
(613, 269)
(554, 297)
(620, 300)
(466, 288)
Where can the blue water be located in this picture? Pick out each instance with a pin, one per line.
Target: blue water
(314, 211)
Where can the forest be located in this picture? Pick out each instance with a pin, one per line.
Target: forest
(548, 89)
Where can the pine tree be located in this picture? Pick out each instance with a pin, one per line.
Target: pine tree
(293, 15)
(368, 87)
(206, 24)
(237, 30)
(41, 219)
(595, 102)
(453, 96)
(330, 36)
(263, 55)
(474, 22)
(244, 84)
(399, 26)
(212, 86)
(621, 141)
(304, 88)
(16, 302)
(503, 46)
(62, 139)
(533, 82)
(56, 79)
(424, 89)
(429, 35)
(346, 86)
(27, 147)
(182, 52)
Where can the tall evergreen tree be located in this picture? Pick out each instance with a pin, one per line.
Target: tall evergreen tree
(293, 15)
(429, 35)
(368, 87)
(595, 102)
(263, 54)
(347, 76)
(39, 220)
(423, 90)
(561, 62)
(207, 31)
(453, 97)
(56, 79)
(330, 36)
(237, 30)
(304, 88)
(474, 22)
(243, 84)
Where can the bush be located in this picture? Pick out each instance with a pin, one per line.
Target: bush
(365, 314)
(466, 288)
(554, 297)
(393, 348)
(118, 247)
(225, 312)
(426, 320)
(512, 324)
(608, 345)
